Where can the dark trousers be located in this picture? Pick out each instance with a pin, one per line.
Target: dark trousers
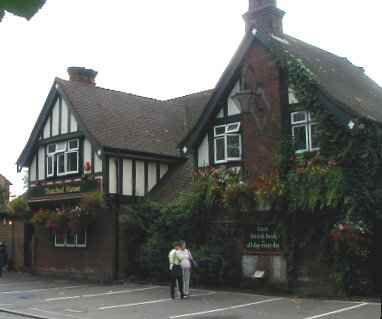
(176, 277)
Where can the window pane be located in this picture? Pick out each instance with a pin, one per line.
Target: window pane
(81, 238)
(232, 128)
(59, 239)
(73, 144)
(233, 146)
(220, 149)
(299, 117)
(314, 136)
(49, 165)
(61, 147)
(72, 162)
(51, 148)
(61, 164)
(219, 130)
(300, 138)
(70, 239)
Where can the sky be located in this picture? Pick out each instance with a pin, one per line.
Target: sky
(160, 49)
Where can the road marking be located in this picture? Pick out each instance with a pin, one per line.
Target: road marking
(338, 311)
(74, 310)
(151, 302)
(117, 292)
(22, 314)
(55, 313)
(194, 314)
(38, 290)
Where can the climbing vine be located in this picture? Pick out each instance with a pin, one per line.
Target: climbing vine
(340, 183)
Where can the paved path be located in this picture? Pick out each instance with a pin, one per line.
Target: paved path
(25, 296)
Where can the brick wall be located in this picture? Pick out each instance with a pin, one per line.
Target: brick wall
(95, 262)
(262, 132)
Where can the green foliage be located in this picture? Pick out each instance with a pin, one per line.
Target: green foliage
(22, 8)
(19, 207)
(315, 185)
(190, 218)
(342, 185)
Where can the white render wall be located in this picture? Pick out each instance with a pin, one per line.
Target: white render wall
(41, 163)
(54, 119)
(203, 153)
(87, 151)
(112, 175)
(135, 175)
(232, 108)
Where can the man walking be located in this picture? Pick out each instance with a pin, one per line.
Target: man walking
(175, 260)
(3, 258)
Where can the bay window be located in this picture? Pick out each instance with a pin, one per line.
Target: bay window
(62, 158)
(304, 132)
(227, 143)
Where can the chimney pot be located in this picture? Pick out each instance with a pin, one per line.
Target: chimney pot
(83, 75)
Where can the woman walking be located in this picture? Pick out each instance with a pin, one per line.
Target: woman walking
(186, 263)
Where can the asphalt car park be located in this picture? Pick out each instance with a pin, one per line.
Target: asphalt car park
(25, 296)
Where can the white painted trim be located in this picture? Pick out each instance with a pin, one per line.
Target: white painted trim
(306, 114)
(231, 159)
(225, 149)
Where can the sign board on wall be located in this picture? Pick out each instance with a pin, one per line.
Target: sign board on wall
(261, 239)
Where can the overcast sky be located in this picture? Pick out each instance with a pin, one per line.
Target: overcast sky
(154, 48)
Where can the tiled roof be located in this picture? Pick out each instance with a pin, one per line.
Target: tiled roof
(338, 78)
(130, 122)
(346, 85)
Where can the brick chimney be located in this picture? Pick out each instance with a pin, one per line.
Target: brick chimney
(81, 74)
(264, 15)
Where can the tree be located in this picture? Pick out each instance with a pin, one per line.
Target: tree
(22, 8)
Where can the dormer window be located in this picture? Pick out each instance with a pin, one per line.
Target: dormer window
(304, 132)
(227, 143)
(63, 158)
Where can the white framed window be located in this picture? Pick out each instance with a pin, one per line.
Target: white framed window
(59, 239)
(60, 164)
(304, 132)
(63, 158)
(50, 165)
(70, 239)
(227, 143)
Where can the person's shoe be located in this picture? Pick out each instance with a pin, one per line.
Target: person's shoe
(182, 297)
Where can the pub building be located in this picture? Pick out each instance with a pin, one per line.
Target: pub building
(90, 139)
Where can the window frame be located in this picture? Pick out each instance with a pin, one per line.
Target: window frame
(307, 123)
(48, 158)
(232, 159)
(56, 156)
(67, 162)
(224, 136)
(65, 243)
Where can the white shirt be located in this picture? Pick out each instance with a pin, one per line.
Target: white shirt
(185, 257)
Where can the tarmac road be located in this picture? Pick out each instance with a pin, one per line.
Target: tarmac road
(25, 296)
